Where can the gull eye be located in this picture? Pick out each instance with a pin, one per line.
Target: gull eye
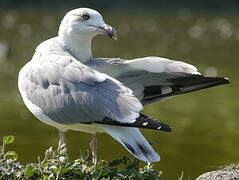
(86, 16)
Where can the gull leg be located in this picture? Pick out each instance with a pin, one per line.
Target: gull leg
(61, 145)
(93, 146)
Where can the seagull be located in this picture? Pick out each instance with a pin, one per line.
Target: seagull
(65, 87)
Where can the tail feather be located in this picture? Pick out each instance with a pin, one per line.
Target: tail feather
(133, 141)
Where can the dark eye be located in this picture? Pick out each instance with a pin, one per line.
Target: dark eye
(86, 16)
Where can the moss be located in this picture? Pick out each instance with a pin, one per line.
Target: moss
(56, 166)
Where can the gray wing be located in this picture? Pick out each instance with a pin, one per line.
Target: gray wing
(69, 92)
(155, 79)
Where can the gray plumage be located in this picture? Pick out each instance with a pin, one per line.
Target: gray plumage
(66, 90)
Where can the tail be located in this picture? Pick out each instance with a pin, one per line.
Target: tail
(133, 141)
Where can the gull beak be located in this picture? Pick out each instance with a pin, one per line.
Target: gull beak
(107, 29)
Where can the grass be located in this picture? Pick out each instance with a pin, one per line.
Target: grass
(56, 166)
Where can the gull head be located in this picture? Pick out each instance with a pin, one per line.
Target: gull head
(85, 22)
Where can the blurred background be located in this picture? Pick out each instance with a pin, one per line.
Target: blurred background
(203, 33)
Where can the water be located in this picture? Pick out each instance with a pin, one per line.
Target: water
(205, 123)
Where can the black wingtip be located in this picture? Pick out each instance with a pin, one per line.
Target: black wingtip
(152, 123)
(183, 84)
(142, 121)
(167, 128)
(204, 81)
(214, 81)
(219, 80)
(226, 80)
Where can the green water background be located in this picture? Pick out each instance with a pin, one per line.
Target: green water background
(205, 123)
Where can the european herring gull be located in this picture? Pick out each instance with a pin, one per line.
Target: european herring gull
(65, 87)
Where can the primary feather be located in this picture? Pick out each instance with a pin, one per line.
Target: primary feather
(142, 121)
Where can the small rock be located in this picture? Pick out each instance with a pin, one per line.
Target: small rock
(227, 173)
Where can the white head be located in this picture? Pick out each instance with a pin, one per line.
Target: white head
(86, 23)
(77, 29)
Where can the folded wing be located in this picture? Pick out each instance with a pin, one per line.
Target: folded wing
(69, 92)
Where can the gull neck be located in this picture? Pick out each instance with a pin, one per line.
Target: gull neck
(78, 46)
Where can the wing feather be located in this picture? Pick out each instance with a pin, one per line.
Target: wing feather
(69, 92)
(155, 79)
(143, 121)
